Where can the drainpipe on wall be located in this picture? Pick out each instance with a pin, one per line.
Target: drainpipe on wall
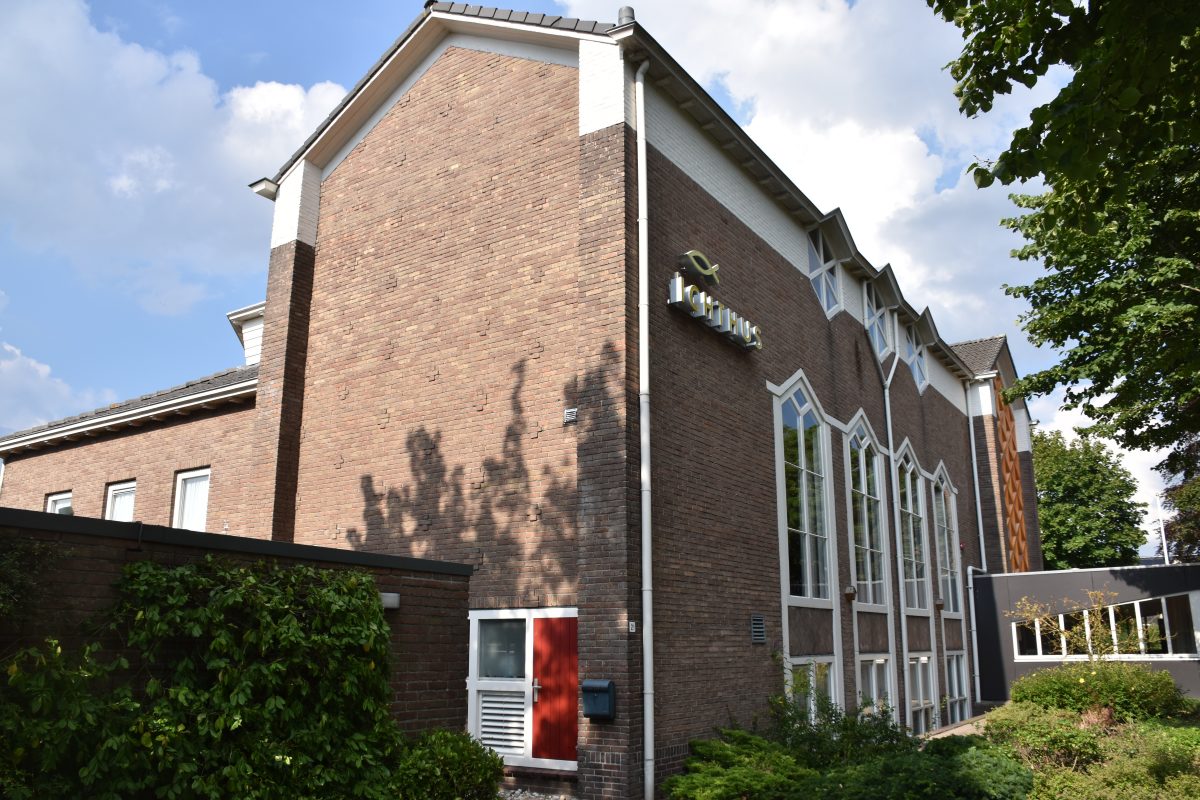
(975, 478)
(639, 95)
(895, 484)
(971, 570)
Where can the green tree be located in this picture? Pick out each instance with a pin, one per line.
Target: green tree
(1119, 230)
(1182, 495)
(1086, 508)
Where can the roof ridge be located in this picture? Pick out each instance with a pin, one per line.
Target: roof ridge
(980, 339)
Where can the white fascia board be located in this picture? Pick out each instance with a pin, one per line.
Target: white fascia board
(519, 31)
(239, 317)
(122, 418)
(435, 27)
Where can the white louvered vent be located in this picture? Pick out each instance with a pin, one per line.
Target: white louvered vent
(502, 721)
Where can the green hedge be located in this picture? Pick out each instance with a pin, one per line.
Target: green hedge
(1132, 691)
(234, 681)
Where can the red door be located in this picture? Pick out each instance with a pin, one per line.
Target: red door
(556, 692)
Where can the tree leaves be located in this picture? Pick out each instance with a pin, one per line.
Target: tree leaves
(1086, 511)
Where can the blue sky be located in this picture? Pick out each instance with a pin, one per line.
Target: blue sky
(133, 126)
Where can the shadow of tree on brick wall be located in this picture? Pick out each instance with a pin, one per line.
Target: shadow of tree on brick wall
(518, 531)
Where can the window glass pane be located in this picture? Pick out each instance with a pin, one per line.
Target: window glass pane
(822, 679)
(791, 479)
(1073, 627)
(121, 504)
(1154, 626)
(1183, 632)
(797, 574)
(59, 503)
(193, 502)
(812, 443)
(502, 648)
(1051, 639)
(1026, 639)
(1126, 621)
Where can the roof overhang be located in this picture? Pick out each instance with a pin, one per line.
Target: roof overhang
(241, 316)
(136, 417)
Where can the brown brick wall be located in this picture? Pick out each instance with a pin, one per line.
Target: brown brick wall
(152, 456)
(429, 632)
(442, 344)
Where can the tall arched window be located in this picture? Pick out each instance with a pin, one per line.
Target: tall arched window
(947, 545)
(865, 513)
(912, 537)
(804, 496)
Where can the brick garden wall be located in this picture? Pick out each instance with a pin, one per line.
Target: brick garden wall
(429, 631)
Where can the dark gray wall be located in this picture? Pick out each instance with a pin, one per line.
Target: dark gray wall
(995, 596)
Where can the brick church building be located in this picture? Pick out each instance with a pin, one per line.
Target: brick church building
(536, 304)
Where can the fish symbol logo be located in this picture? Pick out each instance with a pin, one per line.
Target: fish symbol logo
(698, 265)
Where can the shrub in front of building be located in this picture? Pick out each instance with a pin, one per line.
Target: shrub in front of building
(825, 754)
(1131, 691)
(1080, 755)
(231, 681)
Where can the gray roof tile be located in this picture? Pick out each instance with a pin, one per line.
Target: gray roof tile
(208, 383)
(980, 354)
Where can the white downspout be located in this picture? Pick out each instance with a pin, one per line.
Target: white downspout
(971, 569)
(899, 557)
(975, 479)
(643, 223)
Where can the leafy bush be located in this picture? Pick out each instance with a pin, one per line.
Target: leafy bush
(741, 765)
(961, 768)
(1043, 737)
(1132, 691)
(21, 563)
(831, 736)
(245, 681)
(889, 766)
(445, 765)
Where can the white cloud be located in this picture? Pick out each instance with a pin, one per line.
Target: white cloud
(143, 183)
(32, 395)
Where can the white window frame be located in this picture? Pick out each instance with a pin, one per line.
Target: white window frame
(857, 497)
(913, 537)
(958, 704)
(880, 666)
(875, 320)
(476, 684)
(1109, 616)
(178, 508)
(824, 271)
(55, 501)
(922, 710)
(809, 664)
(914, 356)
(110, 497)
(825, 519)
(949, 558)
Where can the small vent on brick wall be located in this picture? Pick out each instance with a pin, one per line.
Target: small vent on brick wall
(758, 629)
(570, 416)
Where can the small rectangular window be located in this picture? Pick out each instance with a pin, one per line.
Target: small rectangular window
(191, 500)
(1027, 638)
(59, 503)
(118, 501)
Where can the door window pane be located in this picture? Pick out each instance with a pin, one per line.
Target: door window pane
(502, 648)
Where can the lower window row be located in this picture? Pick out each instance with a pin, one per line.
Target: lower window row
(190, 509)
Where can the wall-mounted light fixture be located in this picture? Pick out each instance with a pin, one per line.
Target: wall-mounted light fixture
(850, 592)
(389, 599)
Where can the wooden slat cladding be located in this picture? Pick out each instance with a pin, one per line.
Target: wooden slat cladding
(1010, 470)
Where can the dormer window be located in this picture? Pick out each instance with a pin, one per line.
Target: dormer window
(875, 317)
(914, 354)
(823, 270)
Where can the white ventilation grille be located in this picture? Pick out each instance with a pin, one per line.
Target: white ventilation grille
(502, 721)
(758, 629)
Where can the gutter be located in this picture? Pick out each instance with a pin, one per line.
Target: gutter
(643, 223)
(121, 419)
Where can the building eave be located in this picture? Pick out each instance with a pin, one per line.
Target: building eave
(105, 423)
